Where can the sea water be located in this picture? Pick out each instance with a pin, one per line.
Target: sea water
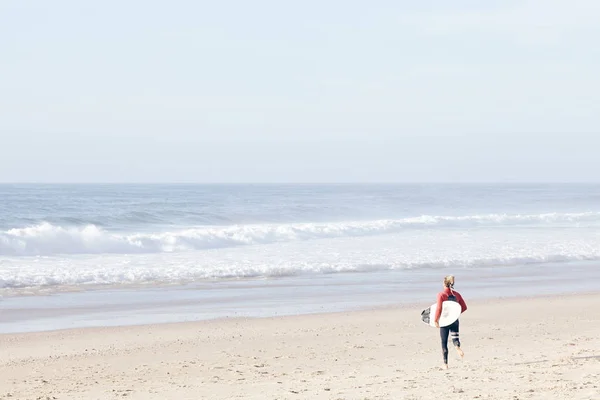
(221, 250)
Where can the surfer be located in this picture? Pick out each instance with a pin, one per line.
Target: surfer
(449, 294)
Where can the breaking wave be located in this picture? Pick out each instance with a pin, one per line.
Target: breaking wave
(49, 274)
(47, 239)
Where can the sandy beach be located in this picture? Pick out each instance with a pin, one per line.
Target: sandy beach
(535, 348)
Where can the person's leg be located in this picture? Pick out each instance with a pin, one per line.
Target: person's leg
(455, 338)
(444, 332)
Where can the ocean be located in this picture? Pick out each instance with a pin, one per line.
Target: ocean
(318, 247)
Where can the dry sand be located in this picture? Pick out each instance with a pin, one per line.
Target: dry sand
(541, 348)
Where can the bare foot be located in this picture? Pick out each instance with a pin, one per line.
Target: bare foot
(445, 366)
(460, 352)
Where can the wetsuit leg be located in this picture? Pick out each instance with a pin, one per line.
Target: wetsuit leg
(444, 332)
(454, 334)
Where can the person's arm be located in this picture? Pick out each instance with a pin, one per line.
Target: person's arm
(438, 309)
(462, 303)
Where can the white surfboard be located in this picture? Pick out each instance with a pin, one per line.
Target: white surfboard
(451, 310)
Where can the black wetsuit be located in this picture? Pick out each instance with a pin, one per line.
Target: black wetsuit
(452, 331)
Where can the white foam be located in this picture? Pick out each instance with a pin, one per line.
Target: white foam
(48, 239)
(415, 250)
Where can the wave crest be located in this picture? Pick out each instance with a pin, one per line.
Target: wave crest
(48, 239)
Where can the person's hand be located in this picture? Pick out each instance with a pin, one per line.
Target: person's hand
(437, 324)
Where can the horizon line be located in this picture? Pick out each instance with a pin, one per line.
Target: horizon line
(297, 183)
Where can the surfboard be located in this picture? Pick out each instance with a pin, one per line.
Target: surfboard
(450, 312)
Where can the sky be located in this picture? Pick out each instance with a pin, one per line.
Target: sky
(311, 91)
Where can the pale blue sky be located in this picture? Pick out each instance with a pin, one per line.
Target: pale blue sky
(311, 91)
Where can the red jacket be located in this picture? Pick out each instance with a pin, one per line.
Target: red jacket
(443, 296)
